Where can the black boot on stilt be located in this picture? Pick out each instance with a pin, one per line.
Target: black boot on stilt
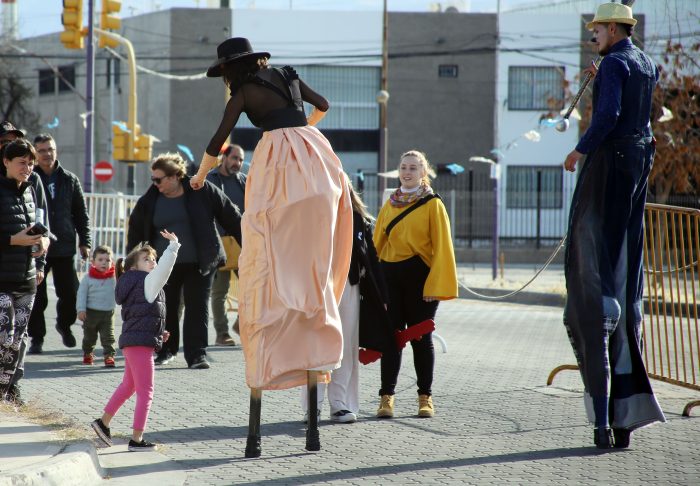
(603, 437)
(252, 448)
(313, 438)
(622, 438)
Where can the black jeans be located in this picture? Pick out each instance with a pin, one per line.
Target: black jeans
(65, 281)
(186, 281)
(405, 281)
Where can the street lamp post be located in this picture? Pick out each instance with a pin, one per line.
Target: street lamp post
(383, 99)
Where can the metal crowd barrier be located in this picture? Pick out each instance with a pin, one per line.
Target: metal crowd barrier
(670, 331)
(109, 217)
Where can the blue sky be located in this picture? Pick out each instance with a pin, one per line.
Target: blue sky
(38, 17)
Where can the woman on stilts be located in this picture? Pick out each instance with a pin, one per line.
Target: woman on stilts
(296, 231)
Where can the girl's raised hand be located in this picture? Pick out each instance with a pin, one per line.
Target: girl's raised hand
(168, 235)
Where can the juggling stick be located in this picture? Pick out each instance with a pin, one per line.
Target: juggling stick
(415, 331)
(368, 356)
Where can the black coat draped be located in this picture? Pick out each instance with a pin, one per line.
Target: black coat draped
(376, 332)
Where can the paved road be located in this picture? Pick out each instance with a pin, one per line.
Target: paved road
(496, 420)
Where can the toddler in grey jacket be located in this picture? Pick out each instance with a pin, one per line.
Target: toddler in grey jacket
(95, 306)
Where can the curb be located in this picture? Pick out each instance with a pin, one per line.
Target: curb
(526, 298)
(75, 464)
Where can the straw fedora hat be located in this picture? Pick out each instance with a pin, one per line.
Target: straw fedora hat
(231, 50)
(612, 12)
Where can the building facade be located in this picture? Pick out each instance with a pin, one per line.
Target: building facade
(339, 55)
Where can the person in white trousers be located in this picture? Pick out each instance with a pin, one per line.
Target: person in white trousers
(344, 388)
(364, 322)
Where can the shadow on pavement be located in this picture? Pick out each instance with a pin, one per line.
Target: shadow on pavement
(195, 434)
(393, 469)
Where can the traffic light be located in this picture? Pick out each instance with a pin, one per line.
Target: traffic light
(143, 148)
(72, 20)
(109, 20)
(120, 142)
(142, 144)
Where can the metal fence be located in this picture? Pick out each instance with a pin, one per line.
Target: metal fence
(534, 219)
(671, 329)
(672, 263)
(109, 217)
(539, 218)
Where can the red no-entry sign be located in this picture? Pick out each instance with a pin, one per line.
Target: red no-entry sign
(103, 171)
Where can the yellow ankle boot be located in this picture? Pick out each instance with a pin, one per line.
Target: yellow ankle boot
(386, 407)
(425, 406)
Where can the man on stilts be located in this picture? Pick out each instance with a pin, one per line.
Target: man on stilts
(603, 266)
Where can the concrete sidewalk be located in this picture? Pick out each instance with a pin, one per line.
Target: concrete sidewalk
(36, 454)
(496, 421)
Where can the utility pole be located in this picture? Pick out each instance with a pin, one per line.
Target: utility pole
(89, 101)
(382, 99)
(496, 168)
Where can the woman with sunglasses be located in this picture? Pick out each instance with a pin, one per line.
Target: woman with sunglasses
(170, 203)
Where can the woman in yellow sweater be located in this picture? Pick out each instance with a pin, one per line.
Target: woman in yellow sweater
(418, 263)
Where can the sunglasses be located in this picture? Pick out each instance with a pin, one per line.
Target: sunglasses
(158, 180)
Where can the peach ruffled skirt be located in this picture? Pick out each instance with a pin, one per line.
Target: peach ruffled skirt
(297, 243)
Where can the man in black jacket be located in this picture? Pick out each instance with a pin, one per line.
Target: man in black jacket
(68, 216)
(229, 178)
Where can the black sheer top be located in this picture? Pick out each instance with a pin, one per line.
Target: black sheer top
(272, 98)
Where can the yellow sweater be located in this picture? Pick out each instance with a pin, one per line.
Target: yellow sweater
(426, 233)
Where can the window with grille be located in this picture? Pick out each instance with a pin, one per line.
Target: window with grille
(67, 75)
(113, 71)
(47, 80)
(525, 185)
(351, 91)
(535, 87)
(448, 71)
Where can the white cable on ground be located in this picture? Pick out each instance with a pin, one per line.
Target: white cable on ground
(499, 297)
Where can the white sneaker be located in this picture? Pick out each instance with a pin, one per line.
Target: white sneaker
(344, 416)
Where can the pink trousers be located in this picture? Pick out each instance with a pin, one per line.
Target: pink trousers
(138, 377)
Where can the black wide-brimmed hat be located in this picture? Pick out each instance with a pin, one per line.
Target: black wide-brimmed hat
(231, 50)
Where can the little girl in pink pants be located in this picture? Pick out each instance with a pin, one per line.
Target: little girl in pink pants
(140, 293)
